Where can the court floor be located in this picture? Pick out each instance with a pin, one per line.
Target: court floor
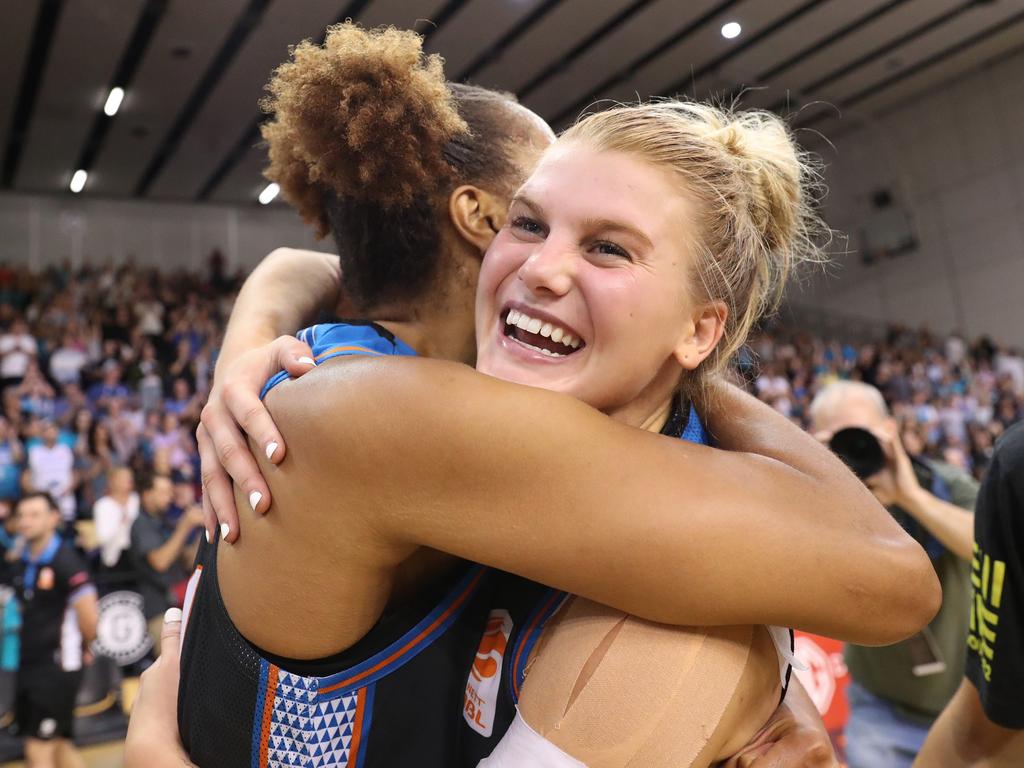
(100, 756)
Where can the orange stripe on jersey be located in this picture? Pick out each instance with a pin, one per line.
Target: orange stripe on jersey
(357, 728)
(526, 634)
(412, 643)
(268, 712)
(348, 348)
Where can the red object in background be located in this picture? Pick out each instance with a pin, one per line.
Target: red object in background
(825, 680)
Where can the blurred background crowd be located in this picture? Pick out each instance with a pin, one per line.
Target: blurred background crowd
(104, 367)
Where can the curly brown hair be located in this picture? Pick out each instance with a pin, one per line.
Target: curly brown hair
(367, 140)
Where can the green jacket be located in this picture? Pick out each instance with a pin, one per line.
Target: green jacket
(886, 672)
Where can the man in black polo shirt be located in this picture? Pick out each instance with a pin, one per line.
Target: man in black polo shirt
(160, 549)
(59, 614)
(985, 719)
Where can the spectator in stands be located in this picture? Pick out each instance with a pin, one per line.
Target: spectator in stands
(68, 360)
(35, 393)
(109, 387)
(51, 469)
(897, 691)
(985, 720)
(114, 515)
(159, 548)
(18, 348)
(12, 457)
(94, 458)
(52, 583)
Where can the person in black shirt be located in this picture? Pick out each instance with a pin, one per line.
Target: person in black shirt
(59, 615)
(985, 719)
(160, 548)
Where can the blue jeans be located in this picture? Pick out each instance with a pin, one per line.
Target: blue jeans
(878, 737)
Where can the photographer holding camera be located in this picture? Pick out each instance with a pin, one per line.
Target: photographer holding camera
(896, 692)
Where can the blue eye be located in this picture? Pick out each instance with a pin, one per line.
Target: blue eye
(528, 225)
(611, 249)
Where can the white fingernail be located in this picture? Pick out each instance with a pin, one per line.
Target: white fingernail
(271, 450)
(254, 499)
(224, 529)
(173, 615)
(206, 533)
(307, 360)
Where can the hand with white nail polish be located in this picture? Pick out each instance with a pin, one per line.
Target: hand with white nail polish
(233, 414)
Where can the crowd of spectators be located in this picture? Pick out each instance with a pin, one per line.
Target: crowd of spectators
(103, 370)
(108, 367)
(951, 398)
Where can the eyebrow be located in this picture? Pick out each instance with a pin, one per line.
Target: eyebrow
(590, 223)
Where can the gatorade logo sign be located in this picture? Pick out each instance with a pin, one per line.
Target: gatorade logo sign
(485, 676)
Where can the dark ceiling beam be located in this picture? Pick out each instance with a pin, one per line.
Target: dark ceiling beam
(31, 79)
(521, 28)
(925, 64)
(731, 53)
(819, 45)
(149, 20)
(812, 89)
(563, 62)
(574, 109)
(247, 22)
(434, 25)
(814, 48)
(931, 61)
(251, 134)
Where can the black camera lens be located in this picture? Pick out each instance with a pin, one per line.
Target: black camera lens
(859, 450)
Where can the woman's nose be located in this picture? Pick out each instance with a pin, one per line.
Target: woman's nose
(549, 269)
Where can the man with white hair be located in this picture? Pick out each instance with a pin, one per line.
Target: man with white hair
(898, 691)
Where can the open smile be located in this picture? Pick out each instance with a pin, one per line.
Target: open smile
(543, 335)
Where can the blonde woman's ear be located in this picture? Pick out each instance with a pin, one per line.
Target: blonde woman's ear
(702, 335)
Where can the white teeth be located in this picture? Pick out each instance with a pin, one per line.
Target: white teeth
(545, 329)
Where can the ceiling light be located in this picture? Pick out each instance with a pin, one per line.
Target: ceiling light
(731, 30)
(78, 181)
(113, 102)
(269, 193)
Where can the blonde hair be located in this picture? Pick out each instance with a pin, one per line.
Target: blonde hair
(756, 190)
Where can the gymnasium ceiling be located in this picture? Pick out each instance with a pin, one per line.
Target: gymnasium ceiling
(194, 70)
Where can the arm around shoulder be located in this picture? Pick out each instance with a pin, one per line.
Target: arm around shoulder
(435, 454)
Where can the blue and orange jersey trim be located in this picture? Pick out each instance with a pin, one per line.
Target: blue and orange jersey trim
(525, 642)
(403, 650)
(330, 340)
(326, 720)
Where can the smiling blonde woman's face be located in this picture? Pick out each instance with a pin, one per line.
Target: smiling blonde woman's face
(585, 290)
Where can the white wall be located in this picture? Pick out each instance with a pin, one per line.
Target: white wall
(41, 230)
(955, 159)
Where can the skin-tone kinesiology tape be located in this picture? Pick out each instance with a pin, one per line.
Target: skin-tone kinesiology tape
(614, 691)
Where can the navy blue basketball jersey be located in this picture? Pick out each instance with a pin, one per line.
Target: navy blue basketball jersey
(434, 684)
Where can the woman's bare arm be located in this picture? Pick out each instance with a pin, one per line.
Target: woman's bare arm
(427, 453)
(283, 294)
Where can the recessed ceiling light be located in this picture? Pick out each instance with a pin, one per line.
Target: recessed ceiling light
(113, 102)
(731, 30)
(78, 181)
(269, 193)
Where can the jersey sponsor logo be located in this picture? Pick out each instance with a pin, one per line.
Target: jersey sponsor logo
(481, 699)
(122, 633)
(47, 728)
(45, 579)
(988, 577)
